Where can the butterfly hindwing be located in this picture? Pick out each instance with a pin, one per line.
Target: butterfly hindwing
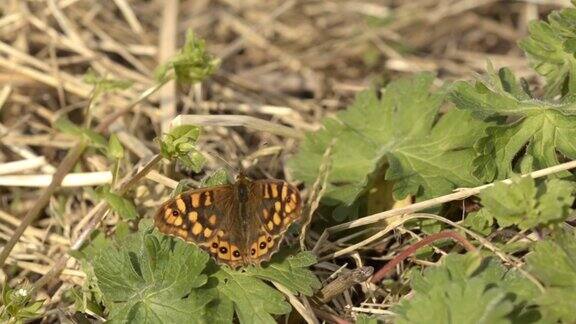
(278, 206)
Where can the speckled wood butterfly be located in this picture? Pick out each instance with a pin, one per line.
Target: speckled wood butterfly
(238, 224)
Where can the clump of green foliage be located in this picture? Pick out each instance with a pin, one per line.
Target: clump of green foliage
(493, 128)
(18, 305)
(145, 276)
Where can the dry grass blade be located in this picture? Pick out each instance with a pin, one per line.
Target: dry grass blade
(70, 180)
(236, 120)
(460, 194)
(65, 167)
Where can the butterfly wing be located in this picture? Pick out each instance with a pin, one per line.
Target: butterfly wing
(204, 217)
(273, 206)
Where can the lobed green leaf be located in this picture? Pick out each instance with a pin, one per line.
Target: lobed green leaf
(426, 157)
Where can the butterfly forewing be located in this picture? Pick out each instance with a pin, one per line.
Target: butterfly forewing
(197, 216)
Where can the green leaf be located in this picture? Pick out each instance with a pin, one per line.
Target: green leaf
(192, 64)
(64, 125)
(461, 290)
(182, 186)
(480, 221)
(180, 144)
(438, 162)
(115, 148)
(551, 49)
(526, 205)
(254, 301)
(537, 132)
(290, 271)
(425, 158)
(216, 178)
(124, 207)
(17, 304)
(365, 319)
(554, 263)
(145, 278)
(221, 309)
(95, 139)
(103, 84)
(142, 277)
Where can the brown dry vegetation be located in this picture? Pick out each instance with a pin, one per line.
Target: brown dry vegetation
(290, 62)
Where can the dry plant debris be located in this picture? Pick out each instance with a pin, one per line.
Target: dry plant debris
(96, 102)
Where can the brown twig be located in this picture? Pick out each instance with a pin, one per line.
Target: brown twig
(343, 282)
(330, 318)
(63, 169)
(98, 212)
(383, 272)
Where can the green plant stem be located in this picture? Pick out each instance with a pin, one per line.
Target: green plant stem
(383, 272)
(98, 213)
(64, 168)
(108, 120)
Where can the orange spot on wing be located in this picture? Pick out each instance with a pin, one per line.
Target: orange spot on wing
(274, 188)
(224, 251)
(276, 218)
(178, 221)
(182, 233)
(278, 206)
(212, 220)
(193, 217)
(181, 205)
(214, 245)
(197, 229)
(254, 250)
(262, 245)
(293, 198)
(171, 218)
(207, 232)
(234, 250)
(195, 198)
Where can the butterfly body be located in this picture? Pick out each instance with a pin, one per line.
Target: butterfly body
(238, 224)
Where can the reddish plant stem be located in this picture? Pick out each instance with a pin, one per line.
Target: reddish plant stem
(383, 272)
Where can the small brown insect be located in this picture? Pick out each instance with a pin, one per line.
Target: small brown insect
(238, 224)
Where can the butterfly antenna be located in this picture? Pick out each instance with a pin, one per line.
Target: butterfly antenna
(236, 171)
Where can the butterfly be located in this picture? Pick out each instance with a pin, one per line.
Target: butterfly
(239, 224)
